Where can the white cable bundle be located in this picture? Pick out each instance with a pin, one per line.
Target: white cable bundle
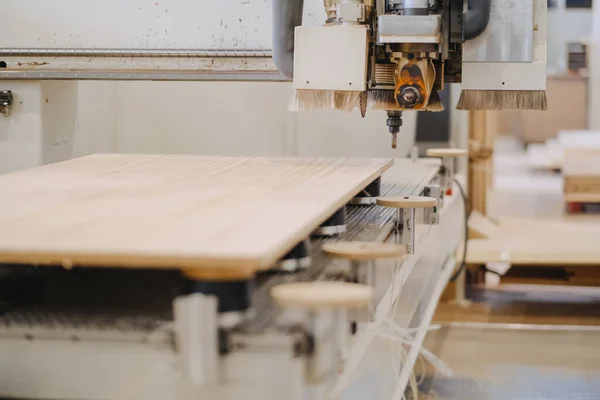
(384, 327)
(400, 339)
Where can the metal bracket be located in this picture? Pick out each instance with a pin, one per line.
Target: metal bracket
(6, 101)
(351, 12)
(405, 228)
(432, 215)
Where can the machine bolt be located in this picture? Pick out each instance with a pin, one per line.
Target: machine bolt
(410, 96)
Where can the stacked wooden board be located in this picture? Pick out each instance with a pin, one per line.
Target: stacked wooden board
(569, 245)
(581, 173)
(551, 154)
(172, 211)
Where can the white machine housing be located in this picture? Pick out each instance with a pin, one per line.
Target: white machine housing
(342, 54)
(511, 53)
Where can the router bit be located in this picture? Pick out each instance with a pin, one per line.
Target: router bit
(394, 122)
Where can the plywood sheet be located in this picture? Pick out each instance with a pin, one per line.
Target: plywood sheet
(172, 211)
(582, 164)
(524, 251)
(511, 226)
(480, 226)
(539, 242)
(582, 175)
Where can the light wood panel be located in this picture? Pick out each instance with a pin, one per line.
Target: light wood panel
(581, 172)
(525, 250)
(538, 242)
(172, 211)
(481, 227)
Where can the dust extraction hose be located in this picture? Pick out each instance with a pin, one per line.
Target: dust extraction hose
(287, 15)
(476, 18)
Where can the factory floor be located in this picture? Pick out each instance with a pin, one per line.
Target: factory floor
(518, 342)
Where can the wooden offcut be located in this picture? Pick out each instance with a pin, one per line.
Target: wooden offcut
(172, 211)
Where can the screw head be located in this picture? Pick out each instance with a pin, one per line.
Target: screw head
(410, 96)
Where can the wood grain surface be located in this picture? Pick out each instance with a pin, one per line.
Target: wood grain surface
(582, 163)
(172, 211)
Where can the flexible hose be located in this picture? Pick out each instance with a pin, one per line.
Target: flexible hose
(467, 213)
(287, 15)
(476, 18)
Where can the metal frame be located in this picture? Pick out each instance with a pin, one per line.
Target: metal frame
(139, 64)
(150, 53)
(144, 76)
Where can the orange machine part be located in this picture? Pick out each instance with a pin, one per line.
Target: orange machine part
(411, 74)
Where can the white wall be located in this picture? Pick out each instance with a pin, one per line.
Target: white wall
(20, 135)
(188, 24)
(41, 127)
(57, 120)
(594, 89)
(202, 118)
(339, 134)
(565, 26)
(244, 119)
(97, 117)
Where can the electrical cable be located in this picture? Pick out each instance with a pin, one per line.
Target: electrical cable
(467, 213)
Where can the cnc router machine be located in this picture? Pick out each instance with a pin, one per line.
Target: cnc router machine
(111, 334)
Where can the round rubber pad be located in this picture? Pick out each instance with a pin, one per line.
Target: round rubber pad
(446, 152)
(407, 202)
(363, 251)
(317, 295)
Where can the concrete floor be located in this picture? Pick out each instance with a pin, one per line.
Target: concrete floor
(560, 361)
(512, 364)
(533, 362)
